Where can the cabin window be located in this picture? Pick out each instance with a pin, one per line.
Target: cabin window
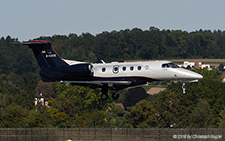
(139, 67)
(165, 66)
(131, 68)
(147, 67)
(124, 68)
(172, 65)
(103, 69)
(115, 69)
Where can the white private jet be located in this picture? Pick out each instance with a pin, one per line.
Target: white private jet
(114, 76)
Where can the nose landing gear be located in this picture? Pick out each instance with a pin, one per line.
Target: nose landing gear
(183, 88)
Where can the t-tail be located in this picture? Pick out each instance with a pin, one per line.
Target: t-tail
(53, 67)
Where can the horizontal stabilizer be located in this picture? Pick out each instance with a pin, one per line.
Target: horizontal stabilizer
(34, 42)
(16, 43)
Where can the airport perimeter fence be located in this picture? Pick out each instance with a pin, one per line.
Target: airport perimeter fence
(110, 134)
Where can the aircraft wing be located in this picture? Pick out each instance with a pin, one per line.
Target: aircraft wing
(100, 82)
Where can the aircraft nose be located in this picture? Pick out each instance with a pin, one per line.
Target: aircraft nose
(194, 75)
(198, 76)
(190, 75)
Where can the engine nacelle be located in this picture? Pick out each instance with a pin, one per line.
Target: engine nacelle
(79, 70)
(48, 75)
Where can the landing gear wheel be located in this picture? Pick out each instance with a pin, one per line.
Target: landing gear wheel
(115, 95)
(104, 96)
(183, 88)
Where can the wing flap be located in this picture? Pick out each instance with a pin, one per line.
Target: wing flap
(100, 82)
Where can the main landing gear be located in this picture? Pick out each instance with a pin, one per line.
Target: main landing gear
(105, 94)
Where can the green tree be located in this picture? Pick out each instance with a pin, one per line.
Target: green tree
(17, 116)
(134, 95)
(142, 115)
(46, 88)
(222, 118)
(175, 108)
(202, 115)
(221, 67)
(77, 106)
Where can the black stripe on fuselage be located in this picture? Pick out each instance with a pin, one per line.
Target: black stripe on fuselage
(135, 80)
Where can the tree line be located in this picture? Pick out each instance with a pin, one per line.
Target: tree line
(76, 106)
(121, 45)
(82, 107)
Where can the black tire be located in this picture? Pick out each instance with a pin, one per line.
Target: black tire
(104, 96)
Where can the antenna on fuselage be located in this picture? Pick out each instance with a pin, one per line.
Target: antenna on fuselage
(103, 61)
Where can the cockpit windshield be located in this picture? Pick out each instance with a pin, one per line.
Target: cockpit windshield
(170, 65)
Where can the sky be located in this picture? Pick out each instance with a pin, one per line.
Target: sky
(29, 19)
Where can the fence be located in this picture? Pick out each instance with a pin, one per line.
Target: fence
(110, 134)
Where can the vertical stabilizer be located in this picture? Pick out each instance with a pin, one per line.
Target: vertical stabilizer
(46, 56)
